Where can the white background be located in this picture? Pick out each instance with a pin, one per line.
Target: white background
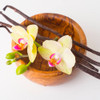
(79, 87)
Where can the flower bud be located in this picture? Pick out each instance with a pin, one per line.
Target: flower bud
(9, 62)
(10, 55)
(21, 69)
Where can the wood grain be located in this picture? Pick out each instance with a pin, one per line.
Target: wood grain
(39, 71)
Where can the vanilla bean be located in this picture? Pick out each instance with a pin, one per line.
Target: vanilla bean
(85, 58)
(42, 37)
(83, 62)
(49, 29)
(87, 64)
(5, 24)
(10, 20)
(32, 20)
(15, 23)
(83, 68)
(5, 28)
(87, 48)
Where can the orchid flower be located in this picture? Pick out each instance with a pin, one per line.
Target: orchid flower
(58, 54)
(25, 38)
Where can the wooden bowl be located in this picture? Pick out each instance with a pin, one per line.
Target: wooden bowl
(39, 71)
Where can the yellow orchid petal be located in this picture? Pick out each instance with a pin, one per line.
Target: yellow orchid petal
(68, 57)
(52, 45)
(16, 37)
(32, 52)
(30, 41)
(66, 41)
(32, 49)
(32, 30)
(67, 62)
(44, 52)
(64, 68)
(19, 30)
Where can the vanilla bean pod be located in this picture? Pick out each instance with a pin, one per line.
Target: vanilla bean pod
(87, 64)
(85, 69)
(81, 45)
(87, 48)
(5, 24)
(32, 20)
(49, 29)
(15, 23)
(76, 53)
(10, 20)
(5, 28)
(85, 57)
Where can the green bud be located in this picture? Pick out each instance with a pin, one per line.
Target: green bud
(9, 62)
(10, 55)
(14, 60)
(56, 38)
(21, 69)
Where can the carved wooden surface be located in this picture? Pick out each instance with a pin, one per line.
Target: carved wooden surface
(39, 71)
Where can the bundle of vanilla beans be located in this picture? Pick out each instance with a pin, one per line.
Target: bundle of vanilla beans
(86, 64)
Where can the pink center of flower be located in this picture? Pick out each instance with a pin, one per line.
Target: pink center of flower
(22, 43)
(55, 59)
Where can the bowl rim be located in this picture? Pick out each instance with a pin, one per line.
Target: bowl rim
(54, 71)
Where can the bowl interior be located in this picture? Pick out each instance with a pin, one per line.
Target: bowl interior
(61, 24)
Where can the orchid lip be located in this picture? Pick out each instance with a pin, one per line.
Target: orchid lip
(50, 64)
(22, 40)
(21, 44)
(55, 59)
(52, 55)
(17, 47)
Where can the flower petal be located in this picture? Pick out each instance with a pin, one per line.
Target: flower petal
(44, 52)
(16, 37)
(52, 45)
(64, 68)
(67, 62)
(32, 52)
(17, 47)
(66, 41)
(32, 30)
(32, 49)
(22, 40)
(68, 58)
(19, 30)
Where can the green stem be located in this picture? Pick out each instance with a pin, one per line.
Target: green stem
(37, 44)
(28, 64)
(23, 56)
(18, 53)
